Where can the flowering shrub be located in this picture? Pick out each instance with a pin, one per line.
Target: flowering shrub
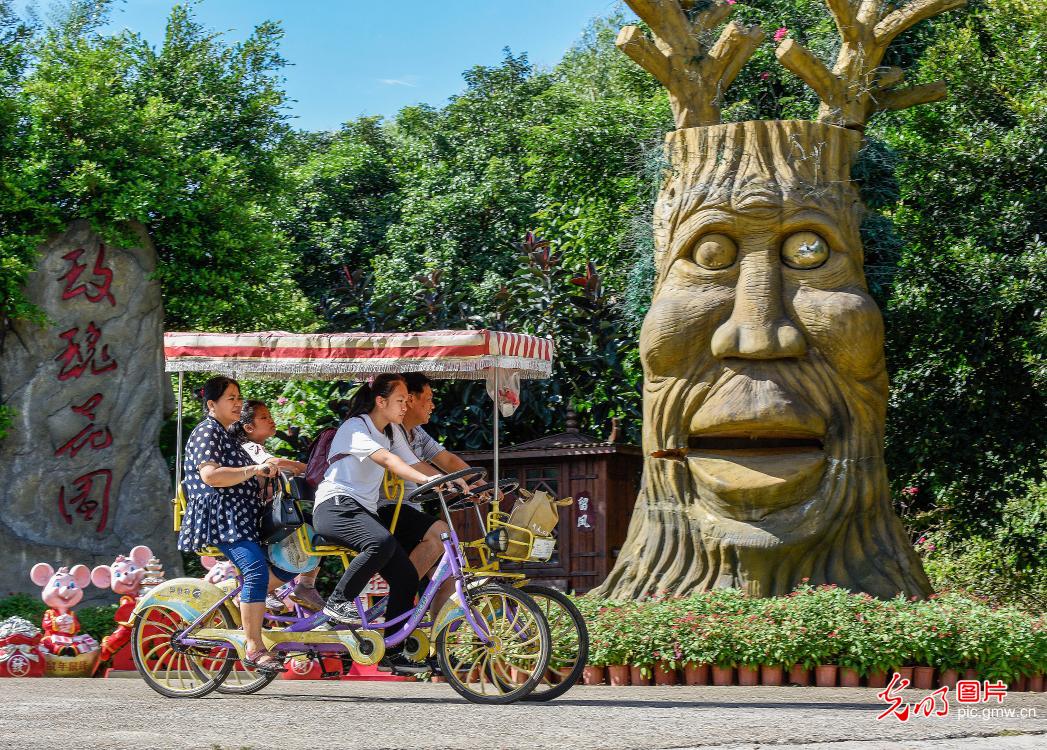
(818, 625)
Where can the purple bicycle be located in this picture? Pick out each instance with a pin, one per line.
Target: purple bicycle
(490, 640)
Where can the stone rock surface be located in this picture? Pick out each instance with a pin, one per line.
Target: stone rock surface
(82, 475)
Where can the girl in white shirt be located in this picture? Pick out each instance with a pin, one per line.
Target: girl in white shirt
(255, 426)
(346, 505)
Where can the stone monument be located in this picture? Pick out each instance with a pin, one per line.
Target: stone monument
(765, 386)
(82, 475)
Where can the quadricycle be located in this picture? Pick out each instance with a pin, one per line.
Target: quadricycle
(499, 638)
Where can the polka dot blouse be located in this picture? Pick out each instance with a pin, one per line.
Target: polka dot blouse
(216, 515)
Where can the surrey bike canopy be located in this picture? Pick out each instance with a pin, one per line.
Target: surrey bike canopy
(498, 357)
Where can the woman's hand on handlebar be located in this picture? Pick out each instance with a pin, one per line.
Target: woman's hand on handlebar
(266, 470)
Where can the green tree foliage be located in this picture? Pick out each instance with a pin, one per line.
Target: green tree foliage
(966, 335)
(180, 139)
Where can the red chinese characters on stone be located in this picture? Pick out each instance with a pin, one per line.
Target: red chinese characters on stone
(94, 289)
(91, 436)
(83, 354)
(88, 501)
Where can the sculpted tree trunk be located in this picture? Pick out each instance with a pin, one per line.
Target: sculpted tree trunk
(765, 388)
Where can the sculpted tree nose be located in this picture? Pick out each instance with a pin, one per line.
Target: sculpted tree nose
(758, 327)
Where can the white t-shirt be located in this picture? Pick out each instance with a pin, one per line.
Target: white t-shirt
(257, 452)
(422, 445)
(357, 475)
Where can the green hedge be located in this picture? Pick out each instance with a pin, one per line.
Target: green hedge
(823, 625)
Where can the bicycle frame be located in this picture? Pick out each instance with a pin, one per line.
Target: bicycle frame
(330, 641)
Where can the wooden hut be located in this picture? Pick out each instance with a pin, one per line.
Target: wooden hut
(602, 477)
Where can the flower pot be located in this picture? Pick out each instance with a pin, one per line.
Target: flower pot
(825, 675)
(723, 675)
(695, 674)
(1036, 683)
(876, 679)
(799, 675)
(947, 678)
(970, 673)
(923, 678)
(905, 673)
(850, 677)
(618, 675)
(748, 676)
(664, 674)
(556, 676)
(636, 676)
(1018, 684)
(770, 676)
(593, 675)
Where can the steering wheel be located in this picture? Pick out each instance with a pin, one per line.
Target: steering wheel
(427, 491)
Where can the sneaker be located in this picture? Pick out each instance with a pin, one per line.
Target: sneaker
(397, 663)
(343, 612)
(275, 604)
(307, 597)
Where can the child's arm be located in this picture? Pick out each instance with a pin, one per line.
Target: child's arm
(286, 464)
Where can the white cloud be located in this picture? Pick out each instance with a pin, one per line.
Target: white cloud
(405, 81)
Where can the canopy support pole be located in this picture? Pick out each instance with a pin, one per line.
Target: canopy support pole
(497, 411)
(178, 438)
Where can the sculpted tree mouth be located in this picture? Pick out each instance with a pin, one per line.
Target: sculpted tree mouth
(754, 442)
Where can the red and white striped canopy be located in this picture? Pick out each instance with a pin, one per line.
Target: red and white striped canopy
(342, 356)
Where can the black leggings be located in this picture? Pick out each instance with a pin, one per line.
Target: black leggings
(344, 521)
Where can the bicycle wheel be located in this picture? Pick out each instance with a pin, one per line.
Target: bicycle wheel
(514, 660)
(570, 642)
(170, 670)
(239, 680)
(243, 680)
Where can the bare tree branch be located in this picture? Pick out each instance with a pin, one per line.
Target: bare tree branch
(677, 57)
(810, 69)
(908, 97)
(732, 50)
(667, 20)
(857, 86)
(632, 41)
(843, 12)
(887, 77)
(909, 15)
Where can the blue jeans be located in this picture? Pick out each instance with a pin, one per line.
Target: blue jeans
(250, 560)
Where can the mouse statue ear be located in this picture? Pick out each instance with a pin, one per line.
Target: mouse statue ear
(41, 573)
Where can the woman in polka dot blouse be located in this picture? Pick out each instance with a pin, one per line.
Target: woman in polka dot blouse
(224, 503)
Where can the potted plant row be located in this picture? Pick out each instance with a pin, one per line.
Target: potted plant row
(822, 635)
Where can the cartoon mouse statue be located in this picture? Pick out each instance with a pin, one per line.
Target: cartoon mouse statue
(125, 578)
(67, 651)
(218, 571)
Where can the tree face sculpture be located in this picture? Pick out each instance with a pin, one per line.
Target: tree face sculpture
(765, 385)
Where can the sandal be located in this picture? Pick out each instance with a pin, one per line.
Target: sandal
(263, 661)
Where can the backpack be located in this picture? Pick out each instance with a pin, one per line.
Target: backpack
(316, 463)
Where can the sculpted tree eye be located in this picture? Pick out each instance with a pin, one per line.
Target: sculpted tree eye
(715, 251)
(804, 251)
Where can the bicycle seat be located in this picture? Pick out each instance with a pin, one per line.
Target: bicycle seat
(319, 540)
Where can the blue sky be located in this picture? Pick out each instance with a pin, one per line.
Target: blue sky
(353, 57)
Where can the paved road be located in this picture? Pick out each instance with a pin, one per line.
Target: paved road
(124, 714)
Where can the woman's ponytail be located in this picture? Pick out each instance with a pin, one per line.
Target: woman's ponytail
(363, 399)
